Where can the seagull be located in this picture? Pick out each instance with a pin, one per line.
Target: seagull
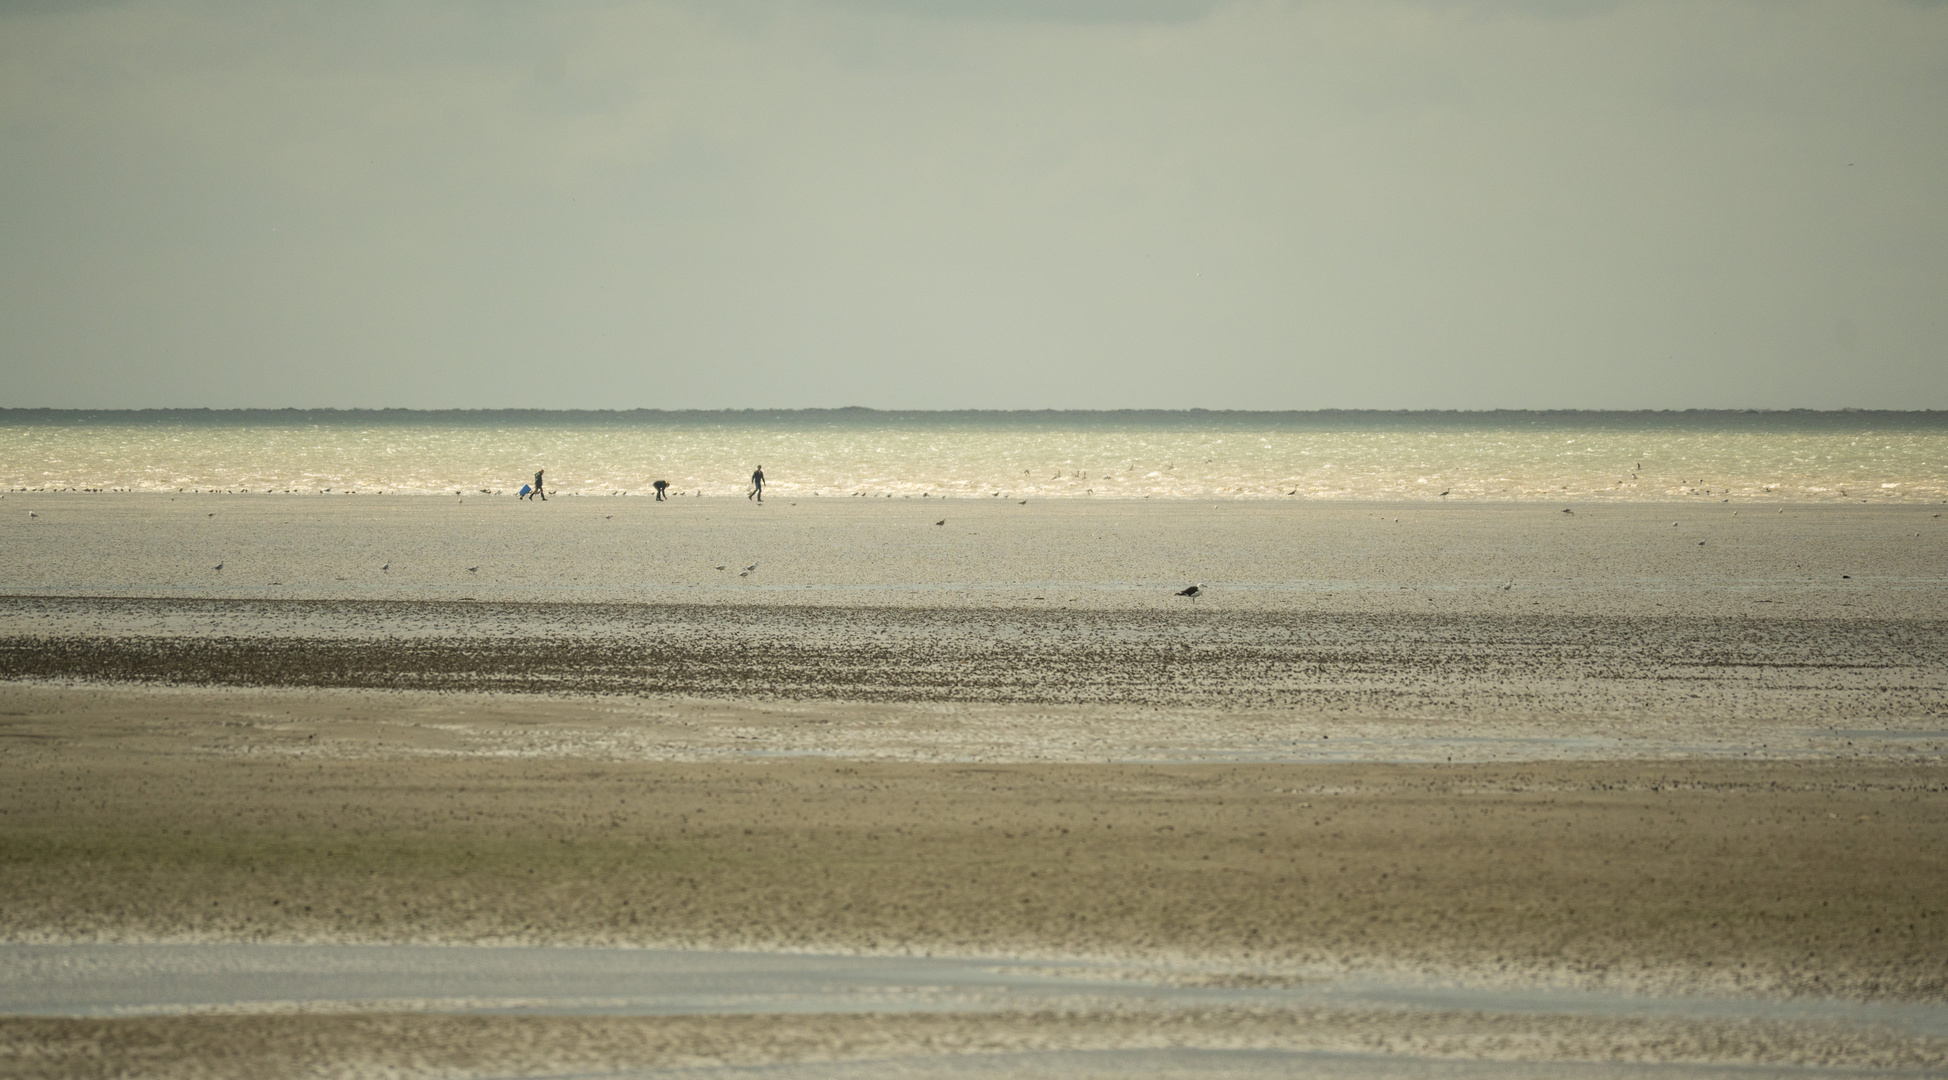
(1191, 592)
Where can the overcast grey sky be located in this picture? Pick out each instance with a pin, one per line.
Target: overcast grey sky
(957, 204)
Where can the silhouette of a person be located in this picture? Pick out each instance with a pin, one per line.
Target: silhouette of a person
(543, 495)
(757, 485)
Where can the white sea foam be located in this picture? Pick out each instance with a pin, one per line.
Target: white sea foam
(855, 453)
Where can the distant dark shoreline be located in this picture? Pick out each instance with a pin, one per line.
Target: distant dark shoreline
(1321, 419)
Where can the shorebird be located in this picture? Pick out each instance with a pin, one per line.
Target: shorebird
(473, 569)
(942, 521)
(750, 568)
(219, 566)
(1193, 592)
(720, 566)
(386, 567)
(1444, 493)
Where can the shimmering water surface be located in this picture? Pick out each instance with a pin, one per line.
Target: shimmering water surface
(1799, 456)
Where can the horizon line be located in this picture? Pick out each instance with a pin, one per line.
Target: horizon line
(856, 410)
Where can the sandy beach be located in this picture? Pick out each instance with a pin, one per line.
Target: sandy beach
(1481, 745)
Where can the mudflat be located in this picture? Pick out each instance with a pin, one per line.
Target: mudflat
(1505, 748)
(1748, 558)
(176, 815)
(170, 815)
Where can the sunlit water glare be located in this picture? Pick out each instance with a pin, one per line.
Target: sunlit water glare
(852, 453)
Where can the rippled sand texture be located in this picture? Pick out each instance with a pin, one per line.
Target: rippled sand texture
(1037, 685)
(149, 815)
(1797, 456)
(1231, 1044)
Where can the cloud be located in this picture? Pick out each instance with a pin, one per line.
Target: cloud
(1282, 204)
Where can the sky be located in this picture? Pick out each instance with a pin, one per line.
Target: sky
(944, 204)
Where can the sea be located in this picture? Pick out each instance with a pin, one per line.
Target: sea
(1800, 455)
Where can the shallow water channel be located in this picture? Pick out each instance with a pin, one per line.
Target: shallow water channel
(138, 980)
(128, 980)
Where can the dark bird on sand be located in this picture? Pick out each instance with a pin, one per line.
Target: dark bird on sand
(219, 566)
(1193, 592)
(473, 569)
(942, 521)
(1444, 493)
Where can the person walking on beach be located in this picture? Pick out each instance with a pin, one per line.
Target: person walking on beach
(660, 486)
(537, 485)
(757, 485)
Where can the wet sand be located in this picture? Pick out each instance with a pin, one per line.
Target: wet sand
(133, 816)
(1816, 878)
(1736, 559)
(1645, 765)
(1371, 1045)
